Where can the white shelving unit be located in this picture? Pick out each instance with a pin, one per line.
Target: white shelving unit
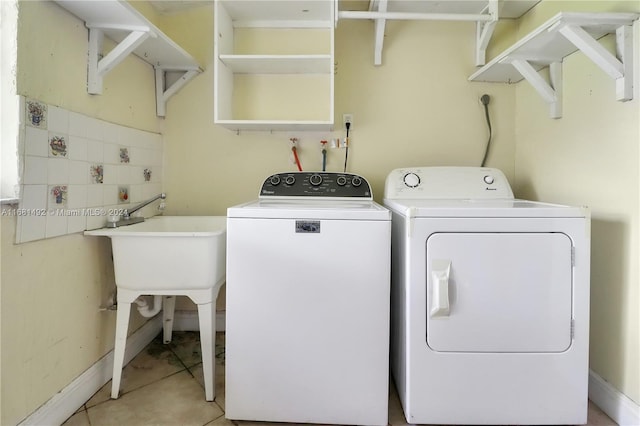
(560, 36)
(248, 83)
(133, 33)
(485, 13)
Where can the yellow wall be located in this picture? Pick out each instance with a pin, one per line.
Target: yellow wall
(52, 329)
(591, 157)
(416, 109)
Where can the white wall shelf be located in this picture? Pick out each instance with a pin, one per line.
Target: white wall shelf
(559, 37)
(237, 72)
(278, 64)
(132, 33)
(485, 13)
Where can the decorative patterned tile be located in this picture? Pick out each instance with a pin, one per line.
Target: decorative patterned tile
(77, 162)
(36, 114)
(124, 155)
(123, 194)
(58, 196)
(96, 171)
(57, 145)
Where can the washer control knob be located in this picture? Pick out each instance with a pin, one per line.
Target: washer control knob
(341, 181)
(488, 179)
(275, 180)
(290, 180)
(356, 181)
(412, 180)
(315, 179)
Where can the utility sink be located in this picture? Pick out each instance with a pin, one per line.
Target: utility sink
(169, 252)
(169, 256)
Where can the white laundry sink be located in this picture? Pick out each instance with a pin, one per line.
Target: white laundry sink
(169, 252)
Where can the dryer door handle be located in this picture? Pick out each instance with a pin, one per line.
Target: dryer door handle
(440, 271)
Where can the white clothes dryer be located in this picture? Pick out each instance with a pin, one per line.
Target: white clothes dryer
(308, 283)
(490, 301)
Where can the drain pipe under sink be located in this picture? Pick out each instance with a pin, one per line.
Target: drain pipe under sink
(143, 306)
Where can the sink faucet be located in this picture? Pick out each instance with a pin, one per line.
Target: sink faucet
(126, 215)
(128, 212)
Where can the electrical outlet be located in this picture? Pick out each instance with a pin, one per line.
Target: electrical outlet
(347, 118)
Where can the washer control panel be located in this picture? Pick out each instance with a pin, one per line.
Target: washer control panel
(316, 184)
(447, 183)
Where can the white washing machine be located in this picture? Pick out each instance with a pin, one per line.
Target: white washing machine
(490, 301)
(307, 320)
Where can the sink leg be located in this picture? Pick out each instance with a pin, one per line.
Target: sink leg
(207, 319)
(168, 309)
(122, 325)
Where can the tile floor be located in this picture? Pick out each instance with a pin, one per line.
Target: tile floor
(163, 385)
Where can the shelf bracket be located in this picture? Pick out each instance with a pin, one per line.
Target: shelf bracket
(379, 25)
(98, 67)
(619, 68)
(550, 92)
(163, 94)
(485, 29)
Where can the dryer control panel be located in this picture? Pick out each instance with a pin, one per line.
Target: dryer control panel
(447, 183)
(316, 185)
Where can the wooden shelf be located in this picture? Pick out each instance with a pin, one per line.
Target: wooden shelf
(560, 36)
(133, 33)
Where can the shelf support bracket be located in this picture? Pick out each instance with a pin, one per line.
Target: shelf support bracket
(163, 94)
(379, 27)
(98, 67)
(484, 31)
(619, 68)
(550, 92)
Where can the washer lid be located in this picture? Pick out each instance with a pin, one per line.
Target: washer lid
(310, 209)
(482, 208)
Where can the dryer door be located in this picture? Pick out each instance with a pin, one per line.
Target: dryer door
(499, 292)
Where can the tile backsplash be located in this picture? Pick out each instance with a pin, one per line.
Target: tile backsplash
(77, 170)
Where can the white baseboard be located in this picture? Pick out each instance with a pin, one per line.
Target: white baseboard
(614, 403)
(66, 402)
(188, 321)
(73, 396)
